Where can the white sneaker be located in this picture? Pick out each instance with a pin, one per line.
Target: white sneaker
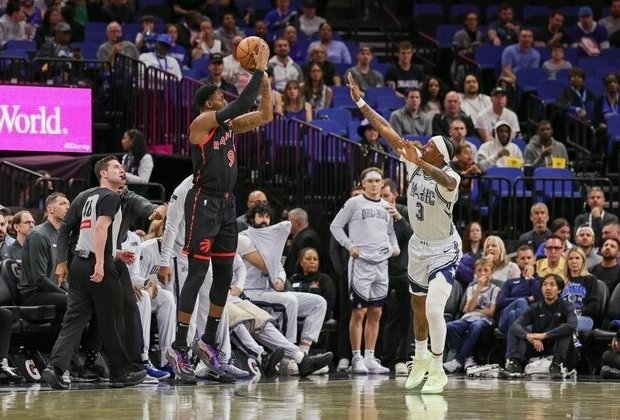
(150, 380)
(436, 381)
(374, 366)
(358, 366)
(324, 370)
(234, 371)
(400, 369)
(469, 362)
(343, 365)
(418, 371)
(453, 366)
(288, 367)
(66, 378)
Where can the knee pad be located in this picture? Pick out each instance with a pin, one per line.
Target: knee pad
(222, 277)
(197, 271)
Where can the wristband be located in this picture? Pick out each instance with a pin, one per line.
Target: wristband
(360, 103)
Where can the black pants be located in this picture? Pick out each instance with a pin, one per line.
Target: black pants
(36, 297)
(344, 315)
(396, 322)
(85, 299)
(133, 340)
(561, 348)
(6, 322)
(610, 358)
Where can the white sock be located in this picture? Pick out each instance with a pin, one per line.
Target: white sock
(437, 362)
(356, 353)
(304, 348)
(369, 354)
(299, 356)
(421, 348)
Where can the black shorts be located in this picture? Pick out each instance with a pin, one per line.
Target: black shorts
(210, 225)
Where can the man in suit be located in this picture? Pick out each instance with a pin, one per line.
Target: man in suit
(303, 236)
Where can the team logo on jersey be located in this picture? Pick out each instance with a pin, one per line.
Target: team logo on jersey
(205, 246)
(86, 223)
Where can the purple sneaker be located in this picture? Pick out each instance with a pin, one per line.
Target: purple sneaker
(210, 357)
(183, 369)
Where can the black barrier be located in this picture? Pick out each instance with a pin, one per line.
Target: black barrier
(15, 70)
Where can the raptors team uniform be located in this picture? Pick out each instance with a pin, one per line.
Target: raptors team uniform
(435, 245)
(371, 230)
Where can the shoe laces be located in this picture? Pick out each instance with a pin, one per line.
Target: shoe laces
(409, 364)
(183, 357)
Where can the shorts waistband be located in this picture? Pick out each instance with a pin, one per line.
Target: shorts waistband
(435, 242)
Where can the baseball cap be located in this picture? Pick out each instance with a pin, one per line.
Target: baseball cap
(498, 91)
(365, 124)
(164, 39)
(63, 27)
(216, 58)
(585, 11)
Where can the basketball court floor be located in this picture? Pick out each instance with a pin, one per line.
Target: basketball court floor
(320, 397)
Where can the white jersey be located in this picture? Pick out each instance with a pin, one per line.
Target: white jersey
(239, 273)
(174, 234)
(371, 228)
(430, 205)
(146, 262)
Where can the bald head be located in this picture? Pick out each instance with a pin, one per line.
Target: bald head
(299, 220)
(254, 197)
(114, 32)
(452, 103)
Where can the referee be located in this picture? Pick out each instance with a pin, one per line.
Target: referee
(95, 285)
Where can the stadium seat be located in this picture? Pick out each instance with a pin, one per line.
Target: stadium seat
(201, 64)
(380, 67)
(475, 140)
(528, 79)
(352, 130)
(536, 15)
(330, 126)
(444, 34)
(549, 90)
(89, 50)
(95, 27)
(451, 310)
(339, 101)
(390, 102)
(14, 44)
(459, 11)
(554, 182)
(423, 9)
(612, 313)
(416, 137)
(489, 56)
(571, 14)
(341, 115)
(95, 37)
(428, 16)
(503, 181)
(373, 93)
(520, 142)
(491, 12)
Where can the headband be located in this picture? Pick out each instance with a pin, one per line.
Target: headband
(377, 175)
(440, 144)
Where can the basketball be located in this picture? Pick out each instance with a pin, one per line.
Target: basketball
(245, 49)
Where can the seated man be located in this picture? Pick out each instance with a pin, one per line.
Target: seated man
(495, 153)
(266, 286)
(478, 313)
(552, 323)
(595, 215)
(611, 360)
(539, 216)
(543, 149)
(554, 262)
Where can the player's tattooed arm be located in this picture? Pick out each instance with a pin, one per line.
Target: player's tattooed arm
(261, 116)
(438, 175)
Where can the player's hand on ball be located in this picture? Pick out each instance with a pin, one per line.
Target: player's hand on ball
(97, 275)
(261, 57)
(356, 93)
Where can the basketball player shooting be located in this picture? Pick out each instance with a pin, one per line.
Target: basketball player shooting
(434, 248)
(210, 216)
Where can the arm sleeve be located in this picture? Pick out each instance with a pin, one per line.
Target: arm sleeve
(139, 206)
(39, 257)
(144, 170)
(569, 326)
(518, 327)
(174, 218)
(134, 269)
(338, 224)
(244, 102)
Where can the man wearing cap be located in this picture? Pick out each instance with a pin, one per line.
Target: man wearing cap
(370, 145)
(161, 58)
(115, 45)
(309, 22)
(486, 119)
(434, 248)
(584, 239)
(363, 73)
(410, 119)
(59, 46)
(216, 69)
(284, 68)
(495, 153)
(587, 34)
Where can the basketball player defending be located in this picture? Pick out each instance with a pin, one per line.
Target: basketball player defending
(210, 216)
(434, 248)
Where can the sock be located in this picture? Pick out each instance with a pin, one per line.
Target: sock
(356, 353)
(180, 340)
(299, 356)
(437, 362)
(211, 330)
(145, 357)
(421, 348)
(304, 348)
(369, 354)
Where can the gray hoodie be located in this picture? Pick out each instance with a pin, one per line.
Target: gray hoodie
(533, 152)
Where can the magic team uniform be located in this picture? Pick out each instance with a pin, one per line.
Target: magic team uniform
(210, 215)
(435, 246)
(371, 229)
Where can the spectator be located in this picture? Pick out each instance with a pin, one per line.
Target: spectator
(611, 361)
(539, 216)
(576, 98)
(589, 36)
(206, 43)
(464, 165)
(556, 62)
(302, 236)
(309, 22)
(584, 239)
(370, 145)
(161, 58)
(34, 15)
(458, 130)
(284, 68)
(13, 24)
(547, 327)
(279, 17)
(606, 105)
(451, 112)
(504, 30)
(472, 101)
(478, 313)
(595, 215)
(4, 248)
(176, 51)
(496, 153)
(117, 11)
(228, 33)
(410, 119)
(519, 56)
(487, 119)
(404, 75)
(315, 90)
(612, 22)
(337, 51)
(261, 31)
(58, 47)
(216, 70)
(554, 262)
(543, 150)
(366, 77)
(253, 198)
(433, 91)
(318, 55)
(298, 51)
(310, 279)
(23, 222)
(115, 45)
(581, 289)
(610, 230)
(473, 240)
(137, 161)
(495, 251)
(45, 32)
(233, 72)
(464, 43)
(560, 227)
(519, 293)
(293, 103)
(553, 33)
(608, 269)
(145, 39)
(7, 373)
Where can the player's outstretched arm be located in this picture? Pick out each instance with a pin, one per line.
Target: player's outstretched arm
(375, 119)
(262, 115)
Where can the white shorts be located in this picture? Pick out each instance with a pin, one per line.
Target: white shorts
(428, 258)
(368, 283)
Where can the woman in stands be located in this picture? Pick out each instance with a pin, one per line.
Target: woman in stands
(473, 240)
(581, 289)
(7, 373)
(311, 280)
(494, 250)
(45, 32)
(315, 90)
(137, 162)
(294, 104)
(433, 91)
(206, 44)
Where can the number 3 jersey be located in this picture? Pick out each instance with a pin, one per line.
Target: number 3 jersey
(430, 205)
(215, 160)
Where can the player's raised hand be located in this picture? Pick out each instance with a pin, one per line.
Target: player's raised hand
(356, 93)
(261, 57)
(410, 152)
